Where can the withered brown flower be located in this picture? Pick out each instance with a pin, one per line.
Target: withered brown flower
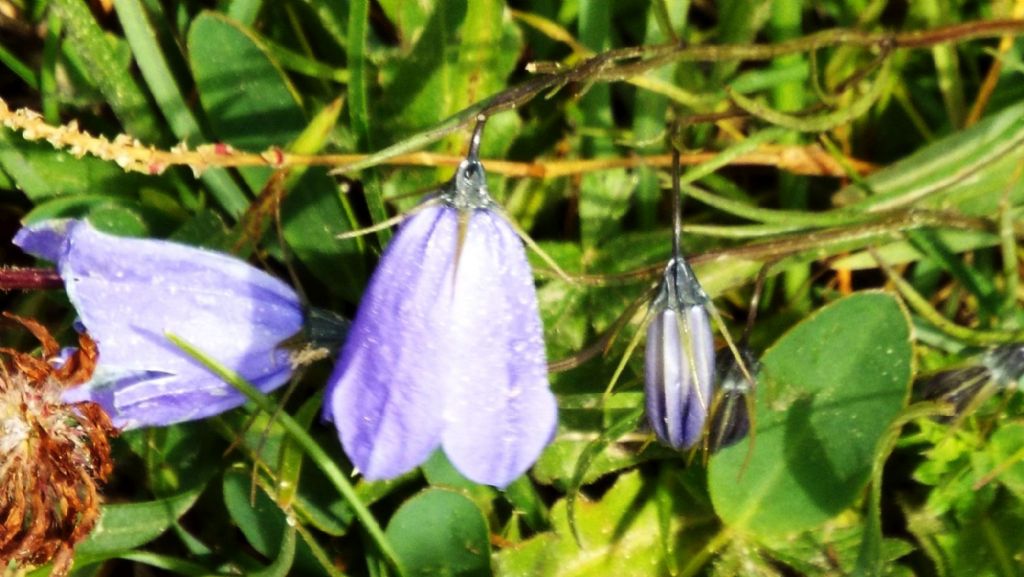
(53, 455)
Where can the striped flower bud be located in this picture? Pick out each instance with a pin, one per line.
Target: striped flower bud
(680, 358)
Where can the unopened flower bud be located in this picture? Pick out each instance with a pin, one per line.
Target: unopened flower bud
(680, 358)
(730, 420)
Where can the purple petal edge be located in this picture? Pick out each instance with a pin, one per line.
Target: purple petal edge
(501, 412)
(166, 399)
(387, 408)
(45, 240)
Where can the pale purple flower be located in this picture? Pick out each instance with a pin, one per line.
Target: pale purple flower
(130, 293)
(447, 349)
(680, 358)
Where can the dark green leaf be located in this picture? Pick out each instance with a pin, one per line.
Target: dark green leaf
(263, 522)
(827, 392)
(441, 532)
(124, 527)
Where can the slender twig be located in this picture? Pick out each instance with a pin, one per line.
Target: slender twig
(132, 155)
(29, 279)
(612, 66)
(822, 242)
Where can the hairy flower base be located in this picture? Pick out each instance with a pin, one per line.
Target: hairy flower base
(53, 457)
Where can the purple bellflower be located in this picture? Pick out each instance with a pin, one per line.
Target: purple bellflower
(680, 358)
(447, 348)
(130, 293)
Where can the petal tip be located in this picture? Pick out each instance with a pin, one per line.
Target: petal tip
(45, 239)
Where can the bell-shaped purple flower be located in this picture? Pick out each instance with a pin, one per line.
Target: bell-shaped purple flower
(447, 348)
(680, 358)
(130, 293)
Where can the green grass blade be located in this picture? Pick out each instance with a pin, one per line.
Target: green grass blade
(302, 438)
(8, 59)
(158, 75)
(118, 86)
(359, 103)
(48, 71)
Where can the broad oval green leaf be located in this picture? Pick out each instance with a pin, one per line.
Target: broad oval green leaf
(251, 104)
(441, 532)
(828, 391)
(245, 95)
(125, 527)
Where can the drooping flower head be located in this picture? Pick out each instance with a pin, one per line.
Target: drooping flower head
(130, 293)
(680, 355)
(680, 358)
(447, 348)
(53, 455)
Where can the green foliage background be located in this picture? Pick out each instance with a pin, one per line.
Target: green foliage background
(845, 475)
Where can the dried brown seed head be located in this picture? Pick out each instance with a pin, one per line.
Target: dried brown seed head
(53, 456)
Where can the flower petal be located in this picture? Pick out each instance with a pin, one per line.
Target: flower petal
(45, 240)
(151, 399)
(500, 413)
(131, 292)
(678, 393)
(385, 395)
